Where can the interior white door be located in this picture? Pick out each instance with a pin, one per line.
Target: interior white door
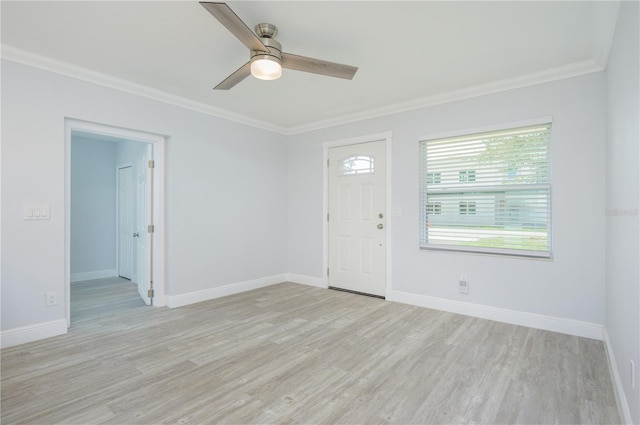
(357, 208)
(144, 215)
(125, 222)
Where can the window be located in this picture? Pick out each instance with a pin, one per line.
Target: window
(467, 208)
(434, 178)
(467, 176)
(356, 165)
(492, 191)
(434, 208)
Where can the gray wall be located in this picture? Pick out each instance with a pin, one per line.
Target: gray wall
(623, 189)
(225, 190)
(570, 286)
(93, 206)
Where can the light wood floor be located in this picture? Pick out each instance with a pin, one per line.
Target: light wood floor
(296, 354)
(93, 299)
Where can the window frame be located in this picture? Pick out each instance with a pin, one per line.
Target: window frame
(424, 200)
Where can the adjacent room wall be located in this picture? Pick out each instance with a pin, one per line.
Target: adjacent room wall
(570, 286)
(623, 190)
(93, 209)
(225, 190)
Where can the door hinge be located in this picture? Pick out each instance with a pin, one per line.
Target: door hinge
(327, 271)
(152, 163)
(150, 293)
(150, 228)
(327, 163)
(327, 216)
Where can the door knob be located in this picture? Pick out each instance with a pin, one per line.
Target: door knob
(136, 235)
(380, 226)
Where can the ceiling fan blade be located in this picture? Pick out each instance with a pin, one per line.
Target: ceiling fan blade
(317, 66)
(227, 17)
(240, 74)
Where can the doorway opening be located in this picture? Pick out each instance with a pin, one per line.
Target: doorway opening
(114, 221)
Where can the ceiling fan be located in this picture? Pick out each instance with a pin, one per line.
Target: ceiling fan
(266, 56)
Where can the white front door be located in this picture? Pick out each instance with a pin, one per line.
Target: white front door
(357, 208)
(143, 220)
(125, 222)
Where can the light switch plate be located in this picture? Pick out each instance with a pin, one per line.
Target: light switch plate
(36, 212)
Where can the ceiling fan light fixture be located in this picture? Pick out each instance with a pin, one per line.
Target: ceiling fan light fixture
(265, 68)
(267, 57)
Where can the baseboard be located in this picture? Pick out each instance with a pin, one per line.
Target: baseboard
(307, 280)
(31, 333)
(180, 300)
(621, 399)
(98, 274)
(531, 320)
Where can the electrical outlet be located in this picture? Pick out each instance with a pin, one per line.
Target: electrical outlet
(52, 298)
(463, 284)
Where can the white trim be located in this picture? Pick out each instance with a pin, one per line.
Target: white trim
(389, 221)
(618, 389)
(387, 137)
(180, 300)
(98, 274)
(52, 65)
(31, 333)
(320, 282)
(159, 146)
(531, 320)
(24, 57)
(530, 122)
(575, 69)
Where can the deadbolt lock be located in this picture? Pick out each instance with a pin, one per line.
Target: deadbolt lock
(380, 215)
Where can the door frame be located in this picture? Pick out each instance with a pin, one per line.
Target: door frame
(386, 137)
(158, 144)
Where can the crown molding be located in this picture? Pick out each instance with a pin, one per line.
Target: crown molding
(24, 57)
(48, 64)
(548, 75)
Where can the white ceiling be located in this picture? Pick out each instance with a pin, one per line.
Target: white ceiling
(409, 54)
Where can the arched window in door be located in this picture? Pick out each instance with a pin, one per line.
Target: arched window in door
(356, 165)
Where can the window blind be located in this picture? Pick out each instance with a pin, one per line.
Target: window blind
(487, 192)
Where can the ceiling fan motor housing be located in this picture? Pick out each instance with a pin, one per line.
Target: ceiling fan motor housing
(266, 32)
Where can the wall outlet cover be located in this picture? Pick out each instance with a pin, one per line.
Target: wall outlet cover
(463, 286)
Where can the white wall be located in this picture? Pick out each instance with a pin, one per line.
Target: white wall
(623, 189)
(93, 206)
(226, 190)
(571, 286)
